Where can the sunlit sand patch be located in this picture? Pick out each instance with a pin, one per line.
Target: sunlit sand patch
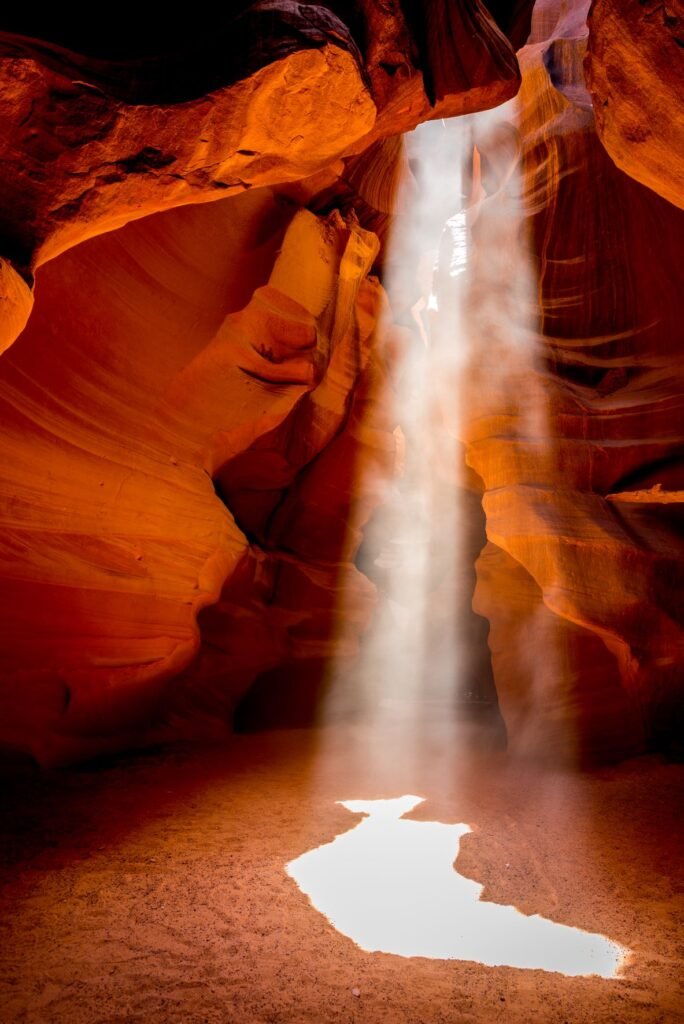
(391, 885)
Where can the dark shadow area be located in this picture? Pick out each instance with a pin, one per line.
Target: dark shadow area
(143, 58)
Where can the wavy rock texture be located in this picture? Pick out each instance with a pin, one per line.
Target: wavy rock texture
(82, 156)
(635, 74)
(114, 428)
(579, 441)
(436, 59)
(188, 411)
(184, 415)
(275, 92)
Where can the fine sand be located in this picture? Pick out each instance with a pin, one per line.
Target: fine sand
(153, 888)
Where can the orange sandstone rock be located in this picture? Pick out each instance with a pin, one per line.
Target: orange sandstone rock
(577, 409)
(16, 301)
(190, 410)
(635, 75)
(113, 535)
(186, 410)
(92, 140)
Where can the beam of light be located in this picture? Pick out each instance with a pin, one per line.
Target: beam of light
(457, 300)
(391, 886)
(461, 319)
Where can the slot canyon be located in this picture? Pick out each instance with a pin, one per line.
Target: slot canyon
(342, 513)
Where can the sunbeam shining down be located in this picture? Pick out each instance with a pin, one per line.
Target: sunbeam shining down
(390, 884)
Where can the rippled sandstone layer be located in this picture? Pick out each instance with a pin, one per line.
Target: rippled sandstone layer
(198, 418)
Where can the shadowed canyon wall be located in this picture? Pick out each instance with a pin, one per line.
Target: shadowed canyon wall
(199, 425)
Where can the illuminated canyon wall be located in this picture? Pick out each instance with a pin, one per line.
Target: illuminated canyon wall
(581, 461)
(197, 388)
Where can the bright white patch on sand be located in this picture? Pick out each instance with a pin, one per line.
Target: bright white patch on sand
(391, 886)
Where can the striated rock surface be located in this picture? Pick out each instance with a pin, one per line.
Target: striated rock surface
(435, 59)
(186, 410)
(577, 426)
(635, 75)
(197, 417)
(98, 130)
(113, 537)
(89, 145)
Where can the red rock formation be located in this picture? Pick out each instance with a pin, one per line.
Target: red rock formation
(17, 300)
(181, 365)
(80, 158)
(580, 582)
(277, 93)
(635, 74)
(187, 412)
(113, 536)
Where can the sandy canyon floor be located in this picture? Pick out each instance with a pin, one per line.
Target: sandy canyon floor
(153, 889)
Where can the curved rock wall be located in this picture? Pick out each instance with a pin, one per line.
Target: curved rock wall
(580, 449)
(635, 74)
(114, 431)
(191, 406)
(197, 361)
(277, 91)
